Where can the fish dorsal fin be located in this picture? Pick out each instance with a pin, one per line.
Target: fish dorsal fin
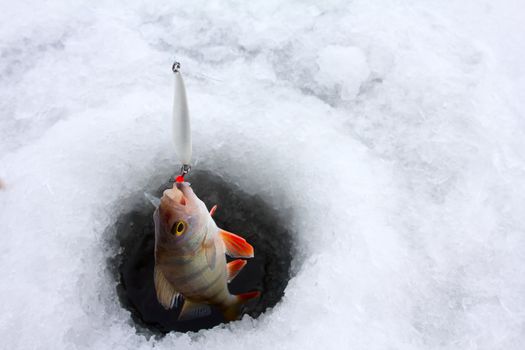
(191, 310)
(236, 246)
(166, 294)
(213, 210)
(234, 267)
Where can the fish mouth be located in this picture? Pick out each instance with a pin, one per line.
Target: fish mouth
(181, 193)
(176, 195)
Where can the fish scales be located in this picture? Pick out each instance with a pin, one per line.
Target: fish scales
(195, 279)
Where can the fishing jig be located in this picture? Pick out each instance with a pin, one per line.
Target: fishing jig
(181, 124)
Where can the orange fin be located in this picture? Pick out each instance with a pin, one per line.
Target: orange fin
(247, 296)
(212, 210)
(236, 246)
(234, 267)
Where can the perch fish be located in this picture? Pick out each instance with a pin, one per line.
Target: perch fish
(190, 261)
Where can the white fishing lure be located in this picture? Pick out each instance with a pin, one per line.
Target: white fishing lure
(181, 119)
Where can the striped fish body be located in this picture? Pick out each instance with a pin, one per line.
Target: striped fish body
(194, 277)
(190, 259)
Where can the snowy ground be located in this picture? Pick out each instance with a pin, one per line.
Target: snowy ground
(394, 130)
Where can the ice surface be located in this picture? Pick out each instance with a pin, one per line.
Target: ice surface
(393, 130)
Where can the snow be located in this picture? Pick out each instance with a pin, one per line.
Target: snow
(394, 131)
(343, 67)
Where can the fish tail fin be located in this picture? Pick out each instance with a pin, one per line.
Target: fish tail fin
(233, 311)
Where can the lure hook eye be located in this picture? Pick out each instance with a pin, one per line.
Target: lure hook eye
(176, 67)
(185, 169)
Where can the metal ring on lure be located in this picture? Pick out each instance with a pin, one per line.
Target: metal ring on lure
(176, 67)
(185, 169)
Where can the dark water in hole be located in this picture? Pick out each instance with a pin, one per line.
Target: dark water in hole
(249, 216)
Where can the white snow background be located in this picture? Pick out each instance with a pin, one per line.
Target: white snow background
(394, 130)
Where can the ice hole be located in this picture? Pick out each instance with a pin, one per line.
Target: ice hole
(248, 215)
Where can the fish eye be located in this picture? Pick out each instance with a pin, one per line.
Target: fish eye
(179, 228)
